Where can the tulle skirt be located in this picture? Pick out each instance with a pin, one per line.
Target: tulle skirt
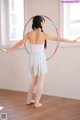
(37, 63)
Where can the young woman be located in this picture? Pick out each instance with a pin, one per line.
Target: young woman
(37, 58)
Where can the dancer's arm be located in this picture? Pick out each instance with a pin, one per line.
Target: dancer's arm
(54, 38)
(17, 44)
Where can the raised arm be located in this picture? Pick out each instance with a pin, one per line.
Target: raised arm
(18, 44)
(54, 38)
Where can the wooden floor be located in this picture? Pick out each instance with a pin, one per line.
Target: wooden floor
(54, 108)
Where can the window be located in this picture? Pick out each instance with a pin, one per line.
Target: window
(12, 21)
(16, 18)
(70, 22)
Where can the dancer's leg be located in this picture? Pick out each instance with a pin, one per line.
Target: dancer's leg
(39, 89)
(31, 90)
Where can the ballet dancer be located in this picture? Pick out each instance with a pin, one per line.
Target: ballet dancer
(37, 59)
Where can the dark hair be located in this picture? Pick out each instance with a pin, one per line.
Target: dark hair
(37, 24)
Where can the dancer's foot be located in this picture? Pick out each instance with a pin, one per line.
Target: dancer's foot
(38, 105)
(30, 102)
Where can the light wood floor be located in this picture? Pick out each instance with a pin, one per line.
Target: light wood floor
(54, 108)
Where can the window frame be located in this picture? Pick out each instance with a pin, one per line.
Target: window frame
(4, 35)
(64, 21)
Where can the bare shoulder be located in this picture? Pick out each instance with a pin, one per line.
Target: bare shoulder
(28, 34)
(47, 35)
(50, 37)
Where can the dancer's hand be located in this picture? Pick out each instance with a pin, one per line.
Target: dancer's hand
(77, 40)
(7, 51)
(73, 41)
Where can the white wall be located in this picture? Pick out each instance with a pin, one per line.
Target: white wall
(63, 78)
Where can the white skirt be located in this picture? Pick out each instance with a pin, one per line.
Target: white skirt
(37, 63)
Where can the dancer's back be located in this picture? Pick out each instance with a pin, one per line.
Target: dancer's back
(36, 36)
(37, 58)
